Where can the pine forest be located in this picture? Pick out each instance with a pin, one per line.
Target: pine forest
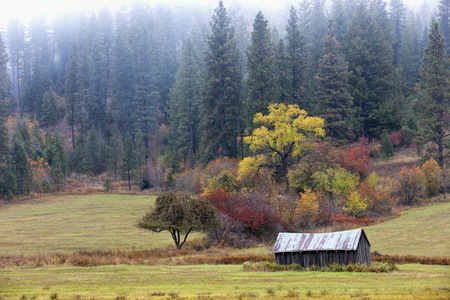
(274, 117)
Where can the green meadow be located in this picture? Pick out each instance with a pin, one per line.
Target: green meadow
(70, 224)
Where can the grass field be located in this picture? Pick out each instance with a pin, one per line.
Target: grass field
(103, 222)
(419, 231)
(224, 281)
(77, 223)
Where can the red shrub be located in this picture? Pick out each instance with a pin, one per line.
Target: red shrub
(396, 138)
(250, 209)
(357, 158)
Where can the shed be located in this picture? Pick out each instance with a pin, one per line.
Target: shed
(307, 249)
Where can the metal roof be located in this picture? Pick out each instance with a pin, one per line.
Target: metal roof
(299, 242)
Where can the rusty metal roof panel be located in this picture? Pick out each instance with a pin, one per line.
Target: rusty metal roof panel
(298, 242)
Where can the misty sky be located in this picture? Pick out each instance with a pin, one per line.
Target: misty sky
(27, 8)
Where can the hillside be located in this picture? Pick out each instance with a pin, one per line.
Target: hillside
(104, 222)
(419, 231)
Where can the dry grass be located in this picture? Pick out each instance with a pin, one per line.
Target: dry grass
(388, 170)
(142, 257)
(414, 259)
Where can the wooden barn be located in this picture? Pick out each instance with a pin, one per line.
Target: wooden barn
(307, 249)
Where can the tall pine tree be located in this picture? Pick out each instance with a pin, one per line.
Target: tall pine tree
(334, 102)
(444, 20)
(434, 104)
(371, 81)
(261, 82)
(221, 102)
(184, 103)
(296, 53)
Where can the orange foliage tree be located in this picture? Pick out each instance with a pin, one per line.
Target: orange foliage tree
(357, 158)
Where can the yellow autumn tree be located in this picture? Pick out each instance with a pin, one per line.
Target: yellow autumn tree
(307, 208)
(282, 134)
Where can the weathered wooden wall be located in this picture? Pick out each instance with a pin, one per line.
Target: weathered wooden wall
(322, 258)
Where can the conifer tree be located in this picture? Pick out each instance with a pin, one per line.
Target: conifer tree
(22, 168)
(434, 104)
(261, 82)
(128, 165)
(411, 53)
(184, 103)
(283, 85)
(95, 154)
(397, 18)
(49, 109)
(16, 43)
(371, 81)
(38, 77)
(334, 102)
(296, 52)
(78, 155)
(5, 83)
(141, 154)
(444, 20)
(54, 152)
(72, 90)
(85, 78)
(114, 151)
(123, 75)
(221, 102)
(387, 148)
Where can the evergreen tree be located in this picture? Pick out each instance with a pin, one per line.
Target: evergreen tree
(283, 85)
(387, 148)
(397, 18)
(5, 83)
(57, 174)
(16, 43)
(221, 102)
(334, 102)
(78, 155)
(22, 168)
(95, 153)
(5, 163)
(411, 53)
(261, 82)
(72, 90)
(146, 95)
(86, 93)
(49, 109)
(184, 103)
(114, 151)
(141, 154)
(444, 20)
(296, 53)
(123, 75)
(371, 80)
(128, 165)
(434, 104)
(54, 152)
(315, 34)
(38, 79)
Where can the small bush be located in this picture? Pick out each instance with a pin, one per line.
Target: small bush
(272, 267)
(357, 158)
(252, 210)
(107, 186)
(46, 186)
(409, 185)
(307, 209)
(387, 147)
(431, 176)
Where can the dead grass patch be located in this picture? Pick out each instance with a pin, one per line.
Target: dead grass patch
(411, 259)
(142, 257)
